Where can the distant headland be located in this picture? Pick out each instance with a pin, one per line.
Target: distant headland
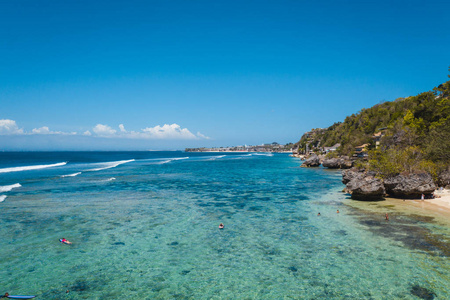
(273, 147)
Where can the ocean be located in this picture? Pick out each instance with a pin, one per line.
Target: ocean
(144, 225)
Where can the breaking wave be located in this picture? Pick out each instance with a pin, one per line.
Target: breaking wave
(7, 188)
(71, 175)
(27, 168)
(263, 154)
(2, 198)
(109, 165)
(163, 162)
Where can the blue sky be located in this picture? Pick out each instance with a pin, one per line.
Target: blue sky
(142, 75)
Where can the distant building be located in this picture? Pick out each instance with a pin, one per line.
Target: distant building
(377, 136)
(361, 151)
(332, 148)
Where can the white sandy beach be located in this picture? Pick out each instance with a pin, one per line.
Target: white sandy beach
(438, 207)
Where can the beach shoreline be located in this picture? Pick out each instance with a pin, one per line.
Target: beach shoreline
(438, 208)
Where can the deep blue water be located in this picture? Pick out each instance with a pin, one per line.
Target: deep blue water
(144, 225)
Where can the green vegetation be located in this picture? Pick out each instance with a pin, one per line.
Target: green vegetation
(416, 134)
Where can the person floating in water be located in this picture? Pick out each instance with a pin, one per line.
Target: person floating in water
(337, 211)
(318, 214)
(221, 226)
(6, 295)
(64, 241)
(387, 217)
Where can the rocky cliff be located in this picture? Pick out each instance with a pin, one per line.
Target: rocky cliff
(364, 185)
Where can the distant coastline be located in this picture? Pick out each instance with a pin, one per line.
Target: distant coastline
(274, 148)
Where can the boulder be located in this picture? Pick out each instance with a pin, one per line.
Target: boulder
(337, 163)
(312, 161)
(444, 179)
(331, 163)
(351, 174)
(410, 185)
(366, 187)
(346, 163)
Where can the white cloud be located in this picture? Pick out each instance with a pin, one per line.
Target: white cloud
(202, 136)
(173, 131)
(104, 130)
(9, 127)
(46, 130)
(42, 130)
(165, 132)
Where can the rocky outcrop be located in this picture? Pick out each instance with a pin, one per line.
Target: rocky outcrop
(312, 161)
(410, 185)
(363, 185)
(343, 162)
(349, 175)
(444, 179)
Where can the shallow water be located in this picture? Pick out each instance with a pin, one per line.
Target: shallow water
(147, 228)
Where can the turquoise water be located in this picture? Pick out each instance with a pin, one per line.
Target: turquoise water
(144, 225)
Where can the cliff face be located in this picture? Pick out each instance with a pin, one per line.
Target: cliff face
(366, 186)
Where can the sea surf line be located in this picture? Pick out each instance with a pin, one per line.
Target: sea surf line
(28, 168)
(109, 165)
(7, 188)
(71, 175)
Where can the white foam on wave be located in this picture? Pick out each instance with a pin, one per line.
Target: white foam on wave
(242, 156)
(7, 188)
(27, 168)
(2, 198)
(109, 165)
(247, 155)
(168, 160)
(163, 162)
(216, 157)
(263, 154)
(71, 175)
(107, 180)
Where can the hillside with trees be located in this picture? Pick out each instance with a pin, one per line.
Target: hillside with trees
(414, 135)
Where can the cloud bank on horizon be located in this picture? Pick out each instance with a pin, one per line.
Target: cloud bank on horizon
(165, 132)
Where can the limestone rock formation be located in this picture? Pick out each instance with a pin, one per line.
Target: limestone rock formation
(312, 161)
(365, 187)
(410, 185)
(351, 174)
(338, 163)
(444, 179)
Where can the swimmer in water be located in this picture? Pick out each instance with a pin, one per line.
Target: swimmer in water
(318, 214)
(63, 240)
(221, 226)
